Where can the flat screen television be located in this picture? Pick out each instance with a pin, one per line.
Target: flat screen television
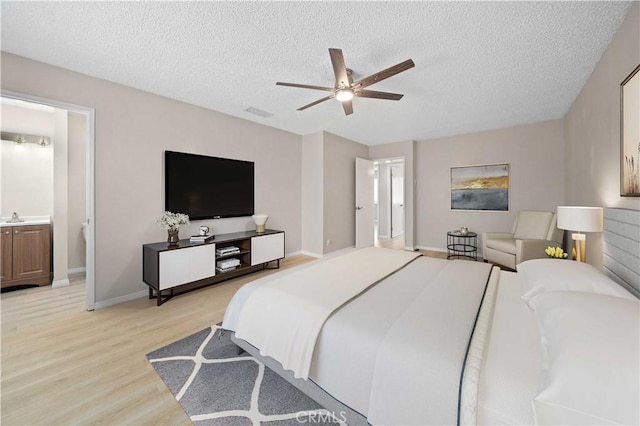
(208, 187)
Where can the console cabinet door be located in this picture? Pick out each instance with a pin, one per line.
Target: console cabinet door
(173, 268)
(267, 248)
(202, 262)
(185, 265)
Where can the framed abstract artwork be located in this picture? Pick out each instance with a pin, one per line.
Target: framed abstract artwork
(630, 135)
(484, 187)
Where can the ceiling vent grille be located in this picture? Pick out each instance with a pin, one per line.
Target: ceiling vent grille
(259, 112)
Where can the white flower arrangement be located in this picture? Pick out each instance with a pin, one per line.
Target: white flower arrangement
(172, 221)
(555, 252)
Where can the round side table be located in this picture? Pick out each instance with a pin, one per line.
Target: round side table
(462, 246)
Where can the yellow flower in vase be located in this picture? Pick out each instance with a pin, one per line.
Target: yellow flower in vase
(555, 253)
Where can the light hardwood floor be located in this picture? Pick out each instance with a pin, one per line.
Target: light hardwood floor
(63, 365)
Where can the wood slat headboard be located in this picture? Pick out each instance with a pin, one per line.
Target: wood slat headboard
(622, 247)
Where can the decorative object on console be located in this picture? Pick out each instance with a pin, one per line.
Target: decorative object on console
(580, 219)
(260, 220)
(630, 135)
(200, 239)
(484, 187)
(172, 222)
(464, 230)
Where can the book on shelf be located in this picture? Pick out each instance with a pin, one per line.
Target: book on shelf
(226, 269)
(228, 263)
(200, 238)
(224, 251)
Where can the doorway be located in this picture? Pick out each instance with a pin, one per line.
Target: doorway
(87, 115)
(389, 202)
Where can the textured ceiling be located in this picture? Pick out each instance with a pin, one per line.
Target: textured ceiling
(479, 65)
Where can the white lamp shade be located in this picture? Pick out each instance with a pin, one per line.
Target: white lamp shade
(582, 219)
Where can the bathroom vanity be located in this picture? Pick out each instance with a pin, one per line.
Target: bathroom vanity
(26, 252)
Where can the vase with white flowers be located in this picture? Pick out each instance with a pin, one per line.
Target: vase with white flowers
(172, 223)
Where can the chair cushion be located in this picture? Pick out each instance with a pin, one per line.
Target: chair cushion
(505, 245)
(532, 225)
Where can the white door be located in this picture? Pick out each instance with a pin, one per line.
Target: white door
(397, 200)
(365, 213)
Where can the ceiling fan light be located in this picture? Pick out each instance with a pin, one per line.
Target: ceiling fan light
(344, 95)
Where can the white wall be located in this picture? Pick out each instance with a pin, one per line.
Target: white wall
(27, 169)
(535, 153)
(132, 130)
(592, 131)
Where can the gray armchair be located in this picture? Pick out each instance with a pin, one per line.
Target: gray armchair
(533, 231)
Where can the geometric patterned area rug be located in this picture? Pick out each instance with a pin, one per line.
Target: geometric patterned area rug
(215, 386)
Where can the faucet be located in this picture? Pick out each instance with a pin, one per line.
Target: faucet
(15, 218)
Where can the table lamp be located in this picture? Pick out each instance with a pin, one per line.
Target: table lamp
(580, 219)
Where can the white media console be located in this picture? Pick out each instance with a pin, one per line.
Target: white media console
(169, 270)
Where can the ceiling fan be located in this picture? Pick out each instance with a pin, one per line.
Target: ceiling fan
(345, 88)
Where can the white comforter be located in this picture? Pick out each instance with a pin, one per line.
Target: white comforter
(395, 353)
(284, 317)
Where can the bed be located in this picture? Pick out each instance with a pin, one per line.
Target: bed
(446, 342)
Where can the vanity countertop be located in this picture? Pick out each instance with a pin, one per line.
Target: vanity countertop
(28, 220)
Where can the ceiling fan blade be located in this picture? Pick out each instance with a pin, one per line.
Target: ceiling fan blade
(339, 68)
(378, 95)
(348, 107)
(316, 102)
(305, 86)
(384, 74)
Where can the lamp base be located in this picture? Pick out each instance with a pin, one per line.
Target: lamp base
(580, 247)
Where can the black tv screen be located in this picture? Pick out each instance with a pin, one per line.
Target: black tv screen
(208, 187)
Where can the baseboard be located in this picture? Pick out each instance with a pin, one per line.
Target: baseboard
(308, 253)
(438, 249)
(121, 299)
(60, 283)
(293, 253)
(410, 248)
(77, 271)
(384, 237)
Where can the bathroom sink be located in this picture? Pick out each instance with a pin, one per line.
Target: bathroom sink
(25, 221)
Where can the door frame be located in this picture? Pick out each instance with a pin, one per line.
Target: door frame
(391, 215)
(89, 113)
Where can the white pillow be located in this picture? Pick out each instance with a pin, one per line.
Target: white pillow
(544, 275)
(592, 346)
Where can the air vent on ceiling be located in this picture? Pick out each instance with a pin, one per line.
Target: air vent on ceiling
(259, 112)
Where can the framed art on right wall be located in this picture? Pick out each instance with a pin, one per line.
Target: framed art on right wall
(630, 135)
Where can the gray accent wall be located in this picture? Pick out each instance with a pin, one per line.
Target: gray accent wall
(535, 154)
(592, 131)
(622, 246)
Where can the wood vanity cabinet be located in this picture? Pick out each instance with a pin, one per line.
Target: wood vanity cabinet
(26, 255)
